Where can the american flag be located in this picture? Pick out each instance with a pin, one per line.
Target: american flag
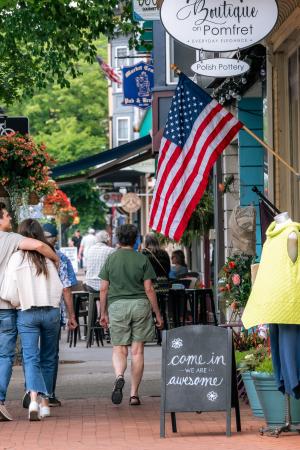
(109, 72)
(198, 129)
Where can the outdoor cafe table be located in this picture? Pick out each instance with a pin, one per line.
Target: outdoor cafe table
(174, 306)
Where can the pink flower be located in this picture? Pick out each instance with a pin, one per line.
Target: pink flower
(236, 279)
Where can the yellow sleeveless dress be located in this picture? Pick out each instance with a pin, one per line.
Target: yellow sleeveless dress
(275, 296)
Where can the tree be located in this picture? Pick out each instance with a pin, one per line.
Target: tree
(41, 41)
(73, 122)
(85, 197)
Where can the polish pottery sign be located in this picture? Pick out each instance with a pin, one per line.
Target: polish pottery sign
(220, 67)
(219, 25)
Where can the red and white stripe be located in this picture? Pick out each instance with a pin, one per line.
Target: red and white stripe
(183, 172)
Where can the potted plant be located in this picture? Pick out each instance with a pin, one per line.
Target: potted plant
(55, 201)
(247, 362)
(24, 165)
(67, 215)
(273, 402)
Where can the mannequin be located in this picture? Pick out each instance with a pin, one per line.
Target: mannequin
(275, 300)
(292, 244)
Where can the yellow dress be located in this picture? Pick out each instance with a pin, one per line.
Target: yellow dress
(275, 296)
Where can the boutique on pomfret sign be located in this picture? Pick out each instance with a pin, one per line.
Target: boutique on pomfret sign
(219, 25)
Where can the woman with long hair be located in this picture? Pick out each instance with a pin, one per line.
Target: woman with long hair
(158, 257)
(32, 285)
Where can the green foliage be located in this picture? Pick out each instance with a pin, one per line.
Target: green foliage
(41, 41)
(265, 366)
(200, 222)
(245, 341)
(91, 210)
(73, 122)
(239, 356)
(253, 359)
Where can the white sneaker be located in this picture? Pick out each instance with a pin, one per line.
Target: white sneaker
(44, 411)
(34, 412)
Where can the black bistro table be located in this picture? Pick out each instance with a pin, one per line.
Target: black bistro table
(198, 302)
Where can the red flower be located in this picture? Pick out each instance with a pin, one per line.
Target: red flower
(236, 279)
(231, 264)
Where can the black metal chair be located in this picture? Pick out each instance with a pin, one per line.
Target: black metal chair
(202, 306)
(94, 329)
(80, 298)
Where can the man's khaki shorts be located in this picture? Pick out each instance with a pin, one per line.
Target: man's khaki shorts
(131, 321)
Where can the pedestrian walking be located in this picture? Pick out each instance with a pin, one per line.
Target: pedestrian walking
(68, 279)
(127, 300)
(76, 240)
(87, 241)
(95, 260)
(32, 285)
(9, 243)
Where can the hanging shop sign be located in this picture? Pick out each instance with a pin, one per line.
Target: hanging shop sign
(220, 67)
(138, 82)
(219, 25)
(111, 199)
(131, 202)
(145, 10)
(13, 125)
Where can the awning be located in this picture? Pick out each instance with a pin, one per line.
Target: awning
(137, 151)
(123, 151)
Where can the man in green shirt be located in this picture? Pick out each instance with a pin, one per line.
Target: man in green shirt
(127, 300)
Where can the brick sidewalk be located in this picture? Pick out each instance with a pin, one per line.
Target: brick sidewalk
(97, 424)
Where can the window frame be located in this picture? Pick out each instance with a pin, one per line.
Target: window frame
(118, 119)
(169, 42)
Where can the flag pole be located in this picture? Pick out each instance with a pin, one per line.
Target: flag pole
(250, 132)
(269, 149)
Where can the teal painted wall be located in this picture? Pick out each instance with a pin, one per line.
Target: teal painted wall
(146, 125)
(251, 158)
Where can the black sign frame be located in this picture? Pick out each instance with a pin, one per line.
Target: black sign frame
(228, 395)
(18, 124)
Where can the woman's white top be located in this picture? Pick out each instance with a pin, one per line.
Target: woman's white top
(23, 288)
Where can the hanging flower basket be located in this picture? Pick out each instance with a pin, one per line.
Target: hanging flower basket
(64, 218)
(3, 192)
(33, 199)
(49, 210)
(24, 165)
(67, 215)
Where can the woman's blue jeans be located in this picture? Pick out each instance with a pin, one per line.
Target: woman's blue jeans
(38, 329)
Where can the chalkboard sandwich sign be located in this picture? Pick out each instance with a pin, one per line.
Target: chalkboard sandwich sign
(197, 368)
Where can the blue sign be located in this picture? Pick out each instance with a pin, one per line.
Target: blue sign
(138, 82)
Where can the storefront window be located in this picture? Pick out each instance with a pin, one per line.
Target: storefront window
(294, 126)
(181, 55)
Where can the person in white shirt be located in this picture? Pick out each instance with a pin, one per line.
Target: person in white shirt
(95, 260)
(32, 285)
(9, 243)
(87, 241)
